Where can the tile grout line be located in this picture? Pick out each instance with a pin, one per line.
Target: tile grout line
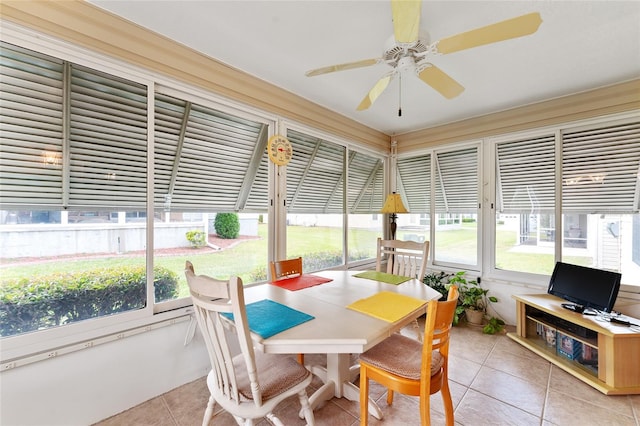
(166, 405)
(546, 395)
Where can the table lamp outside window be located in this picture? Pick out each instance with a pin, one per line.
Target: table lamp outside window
(392, 206)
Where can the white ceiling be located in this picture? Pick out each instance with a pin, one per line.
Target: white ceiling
(580, 45)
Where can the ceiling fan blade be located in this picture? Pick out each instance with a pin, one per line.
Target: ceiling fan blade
(342, 67)
(406, 19)
(375, 92)
(504, 30)
(440, 81)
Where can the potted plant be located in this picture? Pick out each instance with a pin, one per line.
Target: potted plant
(438, 281)
(473, 302)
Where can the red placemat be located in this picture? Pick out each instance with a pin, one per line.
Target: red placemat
(301, 281)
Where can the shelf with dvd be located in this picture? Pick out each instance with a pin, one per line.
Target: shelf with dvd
(597, 352)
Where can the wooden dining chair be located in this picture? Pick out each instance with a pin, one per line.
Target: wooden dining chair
(406, 258)
(281, 269)
(405, 365)
(251, 384)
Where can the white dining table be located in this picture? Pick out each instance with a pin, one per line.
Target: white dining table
(336, 330)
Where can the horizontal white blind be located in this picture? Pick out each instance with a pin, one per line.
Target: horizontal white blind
(315, 177)
(601, 169)
(258, 199)
(365, 184)
(457, 181)
(525, 175)
(168, 121)
(212, 162)
(414, 182)
(31, 128)
(108, 141)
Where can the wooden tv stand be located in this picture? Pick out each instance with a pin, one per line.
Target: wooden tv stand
(611, 352)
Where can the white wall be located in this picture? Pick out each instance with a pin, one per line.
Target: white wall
(56, 240)
(92, 384)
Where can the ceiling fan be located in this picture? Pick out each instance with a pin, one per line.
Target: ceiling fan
(409, 49)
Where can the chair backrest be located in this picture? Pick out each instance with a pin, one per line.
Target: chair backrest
(437, 330)
(407, 258)
(212, 297)
(286, 268)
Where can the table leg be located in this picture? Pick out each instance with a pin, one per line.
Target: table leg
(337, 383)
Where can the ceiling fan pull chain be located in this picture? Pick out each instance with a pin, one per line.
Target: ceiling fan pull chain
(400, 96)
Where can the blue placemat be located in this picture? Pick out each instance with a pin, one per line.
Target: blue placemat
(268, 318)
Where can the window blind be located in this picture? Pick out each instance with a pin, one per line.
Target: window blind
(414, 182)
(107, 141)
(72, 137)
(315, 175)
(31, 128)
(525, 175)
(457, 181)
(601, 169)
(202, 158)
(365, 184)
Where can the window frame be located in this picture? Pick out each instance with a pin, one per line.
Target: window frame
(281, 213)
(431, 187)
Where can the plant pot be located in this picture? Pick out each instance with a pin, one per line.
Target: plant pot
(474, 317)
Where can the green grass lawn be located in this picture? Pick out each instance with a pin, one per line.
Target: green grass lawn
(250, 256)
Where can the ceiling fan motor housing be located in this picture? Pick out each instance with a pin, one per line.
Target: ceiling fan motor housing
(394, 52)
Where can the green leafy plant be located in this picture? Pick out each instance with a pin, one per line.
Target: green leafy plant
(196, 238)
(474, 298)
(227, 225)
(438, 282)
(495, 325)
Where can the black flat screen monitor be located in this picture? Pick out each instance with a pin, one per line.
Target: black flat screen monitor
(587, 287)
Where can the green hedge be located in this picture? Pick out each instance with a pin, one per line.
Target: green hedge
(49, 301)
(227, 225)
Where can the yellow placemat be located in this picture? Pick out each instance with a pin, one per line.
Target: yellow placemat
(387, 306)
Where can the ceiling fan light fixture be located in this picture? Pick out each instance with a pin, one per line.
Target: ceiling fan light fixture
(409, 49)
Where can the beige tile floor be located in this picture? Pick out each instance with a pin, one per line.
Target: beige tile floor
(493, 381)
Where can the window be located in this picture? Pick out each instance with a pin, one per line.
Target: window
(78, 192)
(209, 162)
(364, 199)
(600, 198)
(75, 163)
(316, 202)
(414, 184)
(441, 188)
(456, 207)
(525, 205)
(73, 151)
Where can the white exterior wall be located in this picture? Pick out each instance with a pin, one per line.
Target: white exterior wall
(43, 240)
